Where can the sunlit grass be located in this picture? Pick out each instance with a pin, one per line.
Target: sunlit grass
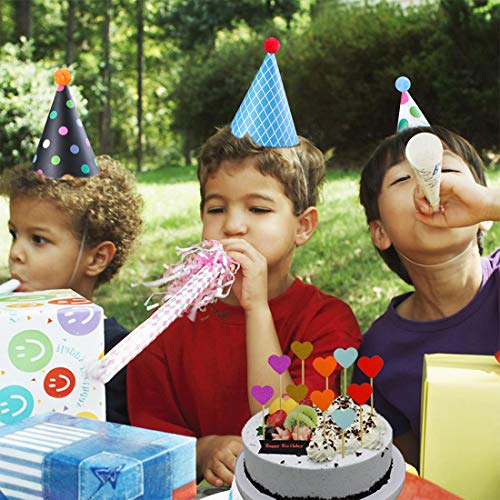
(340, 258)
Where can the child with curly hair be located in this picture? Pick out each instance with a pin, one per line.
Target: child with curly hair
(75, 233)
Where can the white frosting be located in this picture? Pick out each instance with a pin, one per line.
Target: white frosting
(325, 446)
(299, 476)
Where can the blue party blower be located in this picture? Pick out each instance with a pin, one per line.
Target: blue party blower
(56, 456)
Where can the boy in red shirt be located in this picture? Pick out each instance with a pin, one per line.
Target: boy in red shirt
(195, 379)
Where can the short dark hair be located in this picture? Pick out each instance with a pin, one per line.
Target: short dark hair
(391, 151)
(300, 169)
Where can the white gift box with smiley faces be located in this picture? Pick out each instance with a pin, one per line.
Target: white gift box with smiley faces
(49, 338)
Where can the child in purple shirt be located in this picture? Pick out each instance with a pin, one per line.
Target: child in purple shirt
(455, 305)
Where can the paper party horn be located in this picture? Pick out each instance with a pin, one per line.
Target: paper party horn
(360, 395)
(302, 350)
(345, 358)
(280, 365)
(371, 368)
(203, 274)
(344, 418)
(297, 392)
(325, 367)
(262, 394)
(323, 400)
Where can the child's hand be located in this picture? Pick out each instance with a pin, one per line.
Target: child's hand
(250, 286)
(216, 458)
(462, 203)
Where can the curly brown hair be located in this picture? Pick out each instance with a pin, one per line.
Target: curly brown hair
(106, 207)
(300, 169)
(390, 152)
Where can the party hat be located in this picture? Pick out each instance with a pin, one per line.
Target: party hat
(64, 148)
(264, 113)
(409, 113)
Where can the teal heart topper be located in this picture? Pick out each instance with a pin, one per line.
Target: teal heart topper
(345, 357)
(344, 418)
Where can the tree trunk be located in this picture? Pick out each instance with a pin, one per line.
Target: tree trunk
(70, 28)
(140, 71)
(23, 18)
(105, 116)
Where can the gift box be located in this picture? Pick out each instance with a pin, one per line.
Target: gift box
(49, 339)
(460, 427)
(56, 456)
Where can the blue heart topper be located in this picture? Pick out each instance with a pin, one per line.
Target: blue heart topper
(344, 418)
(345, 357)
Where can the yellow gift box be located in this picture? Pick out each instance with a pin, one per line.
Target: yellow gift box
(460, 426)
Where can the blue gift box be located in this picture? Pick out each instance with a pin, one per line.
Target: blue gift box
(56, 456)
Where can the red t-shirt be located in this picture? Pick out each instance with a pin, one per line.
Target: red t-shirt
(193, 378)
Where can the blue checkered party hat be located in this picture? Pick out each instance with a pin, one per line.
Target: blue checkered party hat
(264, 113)
(409, 113)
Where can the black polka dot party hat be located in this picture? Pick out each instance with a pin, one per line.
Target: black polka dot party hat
(64, 148)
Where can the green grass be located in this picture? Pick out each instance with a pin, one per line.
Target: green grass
(340, 258)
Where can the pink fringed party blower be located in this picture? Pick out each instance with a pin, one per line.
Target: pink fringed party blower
(203, 274)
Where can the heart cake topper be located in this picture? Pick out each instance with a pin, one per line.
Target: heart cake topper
(279, 364)
(262, 393)
(344, 418)
(345, 357)
(302, 349)
(360, 393)
(370, 366)
(323, 399)
(297, 392)
(325, 366)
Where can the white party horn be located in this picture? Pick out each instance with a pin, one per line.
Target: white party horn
(9, 286)
(424, 152)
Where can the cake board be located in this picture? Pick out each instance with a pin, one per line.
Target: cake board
(390, 491)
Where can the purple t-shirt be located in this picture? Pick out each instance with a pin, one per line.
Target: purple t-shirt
(402, 344)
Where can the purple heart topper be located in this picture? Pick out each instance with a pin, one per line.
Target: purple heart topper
(262, 393)
(279, 364)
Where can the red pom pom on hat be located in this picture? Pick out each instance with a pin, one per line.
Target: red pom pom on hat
(62, 76)
(272, 45)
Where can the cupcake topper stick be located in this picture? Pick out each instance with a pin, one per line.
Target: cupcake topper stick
(345, 358)
(371, 367)
(302, 350)
(323, 399)
(325, 367)
(344, 418)
(262, 394)
(360, 395)
(280, 365)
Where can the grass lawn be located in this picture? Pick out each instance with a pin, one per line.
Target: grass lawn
(339, 259)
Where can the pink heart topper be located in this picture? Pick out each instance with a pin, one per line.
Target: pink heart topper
(262, 393)
(279, 364)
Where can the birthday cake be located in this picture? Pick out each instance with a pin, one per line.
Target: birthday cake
(330, 448)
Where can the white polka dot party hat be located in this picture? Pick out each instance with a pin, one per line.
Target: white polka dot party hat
(409, 113)
(64, 148)
(264, 113)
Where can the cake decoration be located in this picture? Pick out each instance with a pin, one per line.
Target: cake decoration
(297, 392)
(280, 365)
(325, 367)
(345, 358)
(344, 419)
(360, 395)
(262, 394)
(371, 368)
(302, 350)
(323, 400)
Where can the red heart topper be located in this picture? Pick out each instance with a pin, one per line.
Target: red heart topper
(360, 393)
(370, 366)
(323, 399)
(497, 356)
